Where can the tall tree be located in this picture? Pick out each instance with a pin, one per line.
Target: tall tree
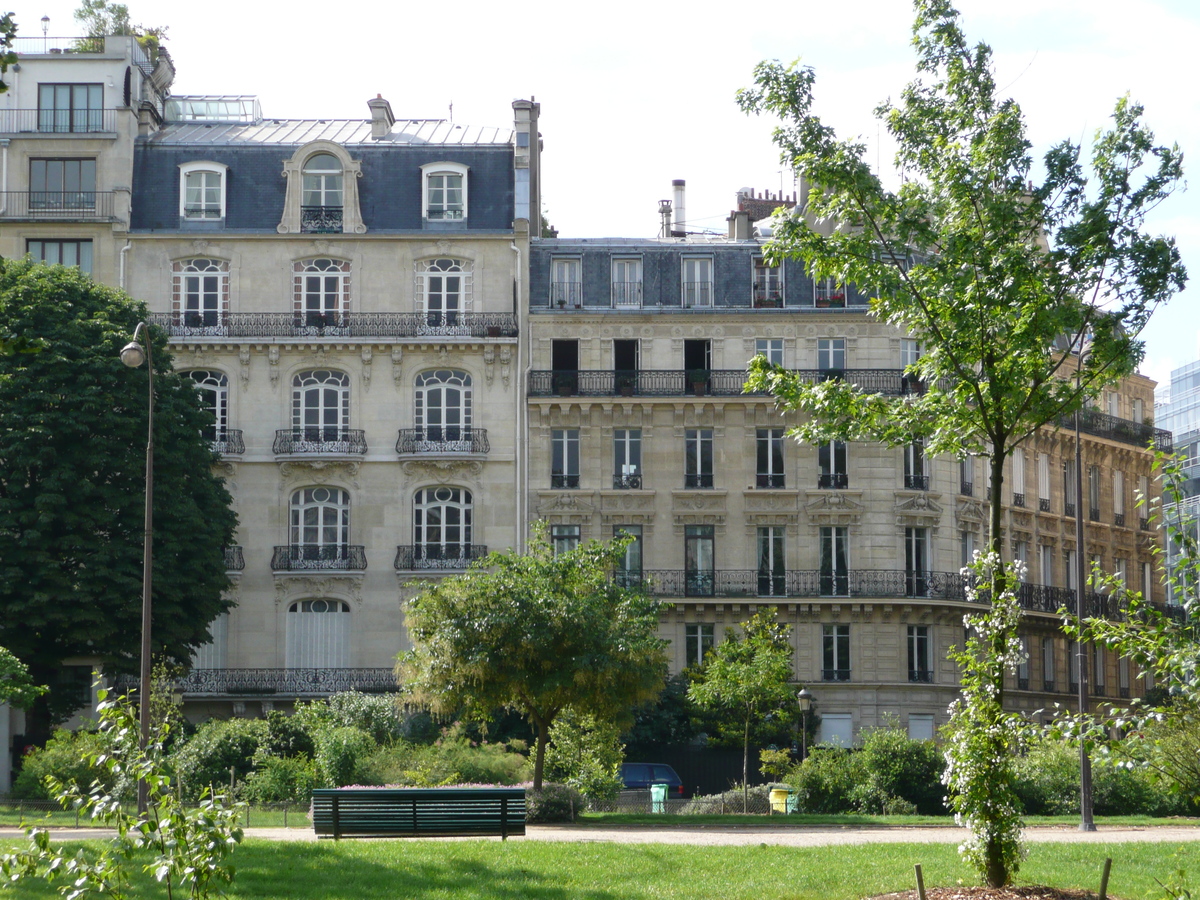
(537, 633)
(72, 470)
(1002, 281)
(748, 676)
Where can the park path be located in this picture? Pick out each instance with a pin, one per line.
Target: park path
(733, 836)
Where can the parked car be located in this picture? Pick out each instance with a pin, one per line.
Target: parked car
(639, 777)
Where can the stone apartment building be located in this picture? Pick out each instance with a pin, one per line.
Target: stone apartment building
(402, 376)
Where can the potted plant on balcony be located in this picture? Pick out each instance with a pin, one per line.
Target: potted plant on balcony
(626, 383)
(698, 378)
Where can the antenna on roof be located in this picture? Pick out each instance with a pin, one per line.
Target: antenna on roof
(451, 112)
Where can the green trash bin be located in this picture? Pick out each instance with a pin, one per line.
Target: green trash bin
(658, 798)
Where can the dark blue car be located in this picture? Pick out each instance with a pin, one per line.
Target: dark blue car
(639, 777)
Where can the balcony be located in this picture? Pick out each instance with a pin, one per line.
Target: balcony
(916, 482)
(96, 206)
(1094, 422)
(833, 481)
(920, 676)
(417, 557)
(1119, 519)
(462, 439)
(966, 488)
(629, 481)
(701, 481)
(835, 674)
(627, 295)
(234, 561)
(1094, 513)
(321, 219)
(564, 482)
(1043, 504)
(335, 325)
(229, 442)
(57, 121)
(287, 682)
(682, 382)
(319, 558)
(319, 440)
(1018, 500)
(1143, 523)
(1069, 510)
(566, 293)
(763, 480)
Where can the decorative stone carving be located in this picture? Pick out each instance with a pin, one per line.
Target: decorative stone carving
(244, 371)
(834, 507)
(443, 471)
(969, 511)
(699, 501)
(397, 358)
(489, 363)
(567, 501)
(917, 510)
(273, 363)
(338, 472)
(336, 586)
(200, 247)
(506, 365)
(366, 367)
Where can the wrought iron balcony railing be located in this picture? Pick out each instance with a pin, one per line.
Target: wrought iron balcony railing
(835, 674)
(288, 682)
(234, 561)
(1094, 422)
(229, 442)
(304, 557)
(1143, 523)
(60, 205)
(1094, 513)
(319, 440)
(920, 676)
(566, 293)
(629, 481)
(321, 219)
(411, 557)
(966, 488)
(1119, 519)
(1048, 687)
(1018, 499)
(1043, 504)
(564, 481)
(627, 294)
(1069, 510)
(336, 325)
(763, 480)
(57, 121)
(703, 480)
(833, 480)
(916, 482)
(681, 382)
(452, 439)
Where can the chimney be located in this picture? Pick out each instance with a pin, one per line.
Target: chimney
(677, 187)
(382, 119)
(740, 227)
(664, 215)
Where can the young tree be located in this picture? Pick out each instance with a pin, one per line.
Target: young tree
(537, 633)
(749, 675)
(72, 482)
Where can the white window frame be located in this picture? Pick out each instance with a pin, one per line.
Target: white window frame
(699, 639)
(771, 348)
(564, 453)
(627, 457)
(1043, 469)
(829, 293)
(442, 409)
(566, 281)
(696, 281)
(202, 167)
(831, 354)
(317, 634)
(437, 537)
(326, 185)
(565, 538)
(626, 282)
(319, 518)
(83, 260)
(213, 388)
(200, 286)
(1018, 476)
(332, 396)
(696, 441)
(434, 279)
(321, 286)
(910, 352)
(767, 286)
(835, 649)
(770, 465)
(1118, 492)
(428, 172)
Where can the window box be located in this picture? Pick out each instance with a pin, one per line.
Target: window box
(768, 304)
(835, 301)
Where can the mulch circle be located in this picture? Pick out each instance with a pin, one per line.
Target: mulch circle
(1031, 892)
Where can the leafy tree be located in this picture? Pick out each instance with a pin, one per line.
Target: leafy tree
(669, 719)
(72, 482)
(585, 753)
(100, 18)
(749, 674)
(536, 632)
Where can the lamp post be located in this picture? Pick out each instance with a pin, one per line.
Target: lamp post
(133, 355)
(1086, 823)
(45, 32)
(804, 698)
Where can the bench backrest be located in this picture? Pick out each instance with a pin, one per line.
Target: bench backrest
(418, 812)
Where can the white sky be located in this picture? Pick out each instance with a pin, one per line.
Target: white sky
(636, 94)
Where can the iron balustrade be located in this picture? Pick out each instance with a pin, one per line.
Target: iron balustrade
(313, 440)
(566, 293)
(298, 682)
(98, 205)
(1048, 687)
(920, 676)
(1022, 684)
(564, 481)
(697, 293)
(321, 219)
(1143, 523)
(628, 578)
(1018, 499)
(701, 481)
(966, 488)
(438, 556)
(229, 442)
(336, 325)
(1069, 510)
(627, 294)
(57, 121)
(234, 561)
(1094, 513)
(1119, 519)
(1043, 504)
(1094, 422)
(630, 481)
(680, 382)
(443, 439)
(835, 674)
(833, 480)
(768, 481)
(319, 557)
(916, 482)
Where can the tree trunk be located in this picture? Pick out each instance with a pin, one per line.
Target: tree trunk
(996, 546)
(539, 756)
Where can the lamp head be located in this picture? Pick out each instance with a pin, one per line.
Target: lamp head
(133, 355)
(804, 698)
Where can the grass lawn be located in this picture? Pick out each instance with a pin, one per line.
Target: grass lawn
(458, 870)
(857, 821)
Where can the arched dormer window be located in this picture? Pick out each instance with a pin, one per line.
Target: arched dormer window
(202, 191)
(444, 192)
(322, 191)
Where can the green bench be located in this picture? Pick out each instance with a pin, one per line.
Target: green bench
(418, 812)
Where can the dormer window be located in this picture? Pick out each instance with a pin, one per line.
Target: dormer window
(321, 203)
(322, 191)
(444, 191)
(202, 191)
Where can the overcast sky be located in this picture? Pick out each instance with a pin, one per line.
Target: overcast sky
(636, 94)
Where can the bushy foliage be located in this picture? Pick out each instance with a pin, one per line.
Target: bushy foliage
(905, 769)
(826, 781)
(342, 753)
(376, 714)
(280, 779)
(586, 753)
(553, 803)
(453, 759)
(670, 719)
(755, 797)
(65, 757)
(287, 736)
(217, 746)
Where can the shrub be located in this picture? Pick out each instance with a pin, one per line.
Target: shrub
(342, 754)
(217, 746)
(755, 799)
(376, 714)
(280, 779)
(287, 736)
(452, 760)
(903, 768)
(586, 753)
(824, 783)
(553, 803)
(62, 757)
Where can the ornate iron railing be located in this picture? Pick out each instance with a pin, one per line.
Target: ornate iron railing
(306, 557)
(1119, 519)
(630, 481)
(833, 480)
(299, 682)
(566, 293)
(234, 561)
(626, 294)
(57, 204)
(966, 488)
(764, 480)
(679, 382)
(1092, 421)
(336, 325)
(702, 480)
(920, 676)
(57, 121)
(229, 442)
(438, 556)
(321, 219)
(916, 482)
(443, 439)
(1069, 510)
(319, 440)
(1018, 499)
(1043, 504)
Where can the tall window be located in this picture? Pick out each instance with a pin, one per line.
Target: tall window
(627, 458)
(768, 284)
(829, 292)
(1043, 475)
(1094, 493)
(699, 561)
(202, 190)
(697, 281)
(213, 388)
(1018, 470)
(831, 355)
(564, 538)
(322, 183)
(1143, 497)
(445, 195)
(910, 352)
(1139, 413)
(698, 463)
(70, 107)
(914, 467)
(1069, 487)
(835, 652)
(321, 291)
(771, 348)
(966, 475)
(769, 473)
(967, 544)
(1046, 563)
(564, 463)
(62, 184)
(1147, 581)
(443, 290)
(698, 641)
(1021, 555)
(1112, 403)
(916, 562)
(1023, 664)
(201, 291)
(441, 526)
(64, 253)
(831, 458)
(771, 568)
(320, 523)
(1073, 650)
(566, 283)
(627, 283)
(1123, 675)
(1048, 664)
(317, 635)
(920, 660)
(1118, 498)
(629, 567)
(835, 566)
(443, 407)
(1099, 669)
(320, 405)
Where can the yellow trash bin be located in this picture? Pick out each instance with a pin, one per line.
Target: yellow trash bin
(779, 800)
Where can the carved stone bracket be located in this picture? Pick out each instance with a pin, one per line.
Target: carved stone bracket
(273, 363)
(506, 365)
(296, 586)
(443, 471)
(244, 359)
(397, 359)
(339, 472)
(489, 363)
(366, 367)
(916, 510)
(834, 507)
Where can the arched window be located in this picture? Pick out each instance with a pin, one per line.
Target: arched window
(445, 191)
(320, 524)
(443, 406)
(443, 291)
(202, 190)
(200, 289)
(321, 292)
(213, 388)
(318, 635)
(321, 195)
(441, 528)
(320, 405)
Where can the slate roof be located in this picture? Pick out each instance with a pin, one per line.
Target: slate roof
(347, 132)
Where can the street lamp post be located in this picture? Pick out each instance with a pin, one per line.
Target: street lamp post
(804, 698)
(1086, 823)
(133, 355)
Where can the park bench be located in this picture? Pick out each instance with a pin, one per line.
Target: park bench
(418, 812)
